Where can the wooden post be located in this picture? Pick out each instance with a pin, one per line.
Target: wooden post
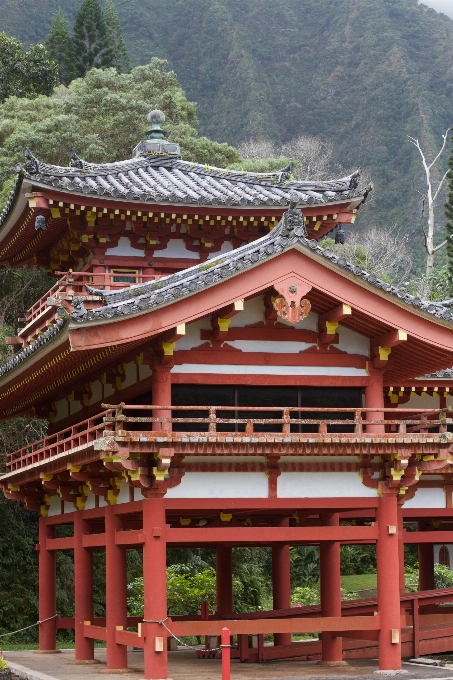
(387, 559)
(416, 628)
(155, 589)
(281, 581)
(329, 566)
(224, 581)
(226, 666)
(161, 392)
(83, 591)
(47, 590)
(374, 398)
(115, 590)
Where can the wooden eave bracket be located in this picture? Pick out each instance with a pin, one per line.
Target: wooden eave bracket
(328, 324)
(381, 347)
(164, 346)
(220, 321)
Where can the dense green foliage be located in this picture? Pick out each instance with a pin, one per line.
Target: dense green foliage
(25, 73)
(361, 73)
(103, 116)
(60, 46)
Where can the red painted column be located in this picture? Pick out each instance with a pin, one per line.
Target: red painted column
(224, 581)
(115, 591)
(387, 559)
(329, 567)
(374, 398)
(83, 590)
(281, 582)
(401, 550)
(161, 391)
(47, 589)
(155, 589)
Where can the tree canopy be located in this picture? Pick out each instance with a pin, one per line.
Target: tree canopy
(25, 73)
(103, 116)
(116, 39)
(91, 39)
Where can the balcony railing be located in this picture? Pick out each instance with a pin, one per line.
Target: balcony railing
(245, 424)
(73, 284)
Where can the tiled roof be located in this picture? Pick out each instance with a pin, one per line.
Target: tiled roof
(164, 179)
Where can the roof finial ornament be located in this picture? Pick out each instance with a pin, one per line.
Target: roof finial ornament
(31, 164)
(293, 219)
(156, 119)
(76, 161)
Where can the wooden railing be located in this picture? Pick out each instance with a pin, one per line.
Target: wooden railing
(73, 284)
(247, 423)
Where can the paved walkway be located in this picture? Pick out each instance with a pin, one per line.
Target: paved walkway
(184, 666)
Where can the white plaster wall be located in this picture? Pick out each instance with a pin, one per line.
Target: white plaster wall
(437, 548)
(417, 401)
(90, 502)
(108, 390)
(322, 485)
(144, 371)
(253, 313)
(55, 506)
(427, 498)
(192, 337)
(236, 369)
(221, 485)
(75, 406)
(276, 347)
(226, 248)
(352, 342)
(123, 496)
(124, 248)
(62, 409)
(176, 247)
(131, 374)
(96, 389)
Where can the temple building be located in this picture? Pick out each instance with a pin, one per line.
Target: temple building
(214, 377)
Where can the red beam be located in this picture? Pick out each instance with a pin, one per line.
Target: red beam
(265, 535)
(132, 537)
(428, 536)
(263, 626)
(266, 504)
(127, 637)
(60, 543)
(95, 632)
(93, 541)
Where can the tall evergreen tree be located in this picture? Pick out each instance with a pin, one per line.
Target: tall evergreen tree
(449, 216)
(60, 47)
(91, 40)
(116, 38)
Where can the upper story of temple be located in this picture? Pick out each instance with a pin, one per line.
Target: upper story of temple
(154, 214)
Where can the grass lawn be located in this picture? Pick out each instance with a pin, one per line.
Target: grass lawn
(358, 582)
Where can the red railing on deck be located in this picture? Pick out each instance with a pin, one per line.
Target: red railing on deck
(286, 426)
(73, 283)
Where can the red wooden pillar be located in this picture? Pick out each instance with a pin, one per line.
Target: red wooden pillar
(374, 398)
(161, 391)
(224, 581)
(155, 589)
(329, 567)
(47, 589)
(83, 591)
(115, 591)
(281, 582)
(401, 550)
(425, 561)
(387, 559)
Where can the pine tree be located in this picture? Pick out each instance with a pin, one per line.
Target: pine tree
(60, 47)
(116, 38)
(449, 216)
(91, 41)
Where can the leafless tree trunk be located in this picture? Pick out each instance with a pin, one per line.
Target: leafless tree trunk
(428, 202)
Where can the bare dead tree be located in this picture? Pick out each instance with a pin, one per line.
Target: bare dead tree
(429, 197)
(262, 148)
(312, 155)
(383, 252)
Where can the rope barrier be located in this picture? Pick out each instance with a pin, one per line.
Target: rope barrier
(38, 623)
(181, 642)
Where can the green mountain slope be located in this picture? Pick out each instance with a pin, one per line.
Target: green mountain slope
(363, 73)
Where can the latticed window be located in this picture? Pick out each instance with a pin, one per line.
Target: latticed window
(444, 556)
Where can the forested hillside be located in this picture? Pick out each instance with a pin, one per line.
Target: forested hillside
(363, 73)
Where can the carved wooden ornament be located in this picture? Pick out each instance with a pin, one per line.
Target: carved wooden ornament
(291, 311)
